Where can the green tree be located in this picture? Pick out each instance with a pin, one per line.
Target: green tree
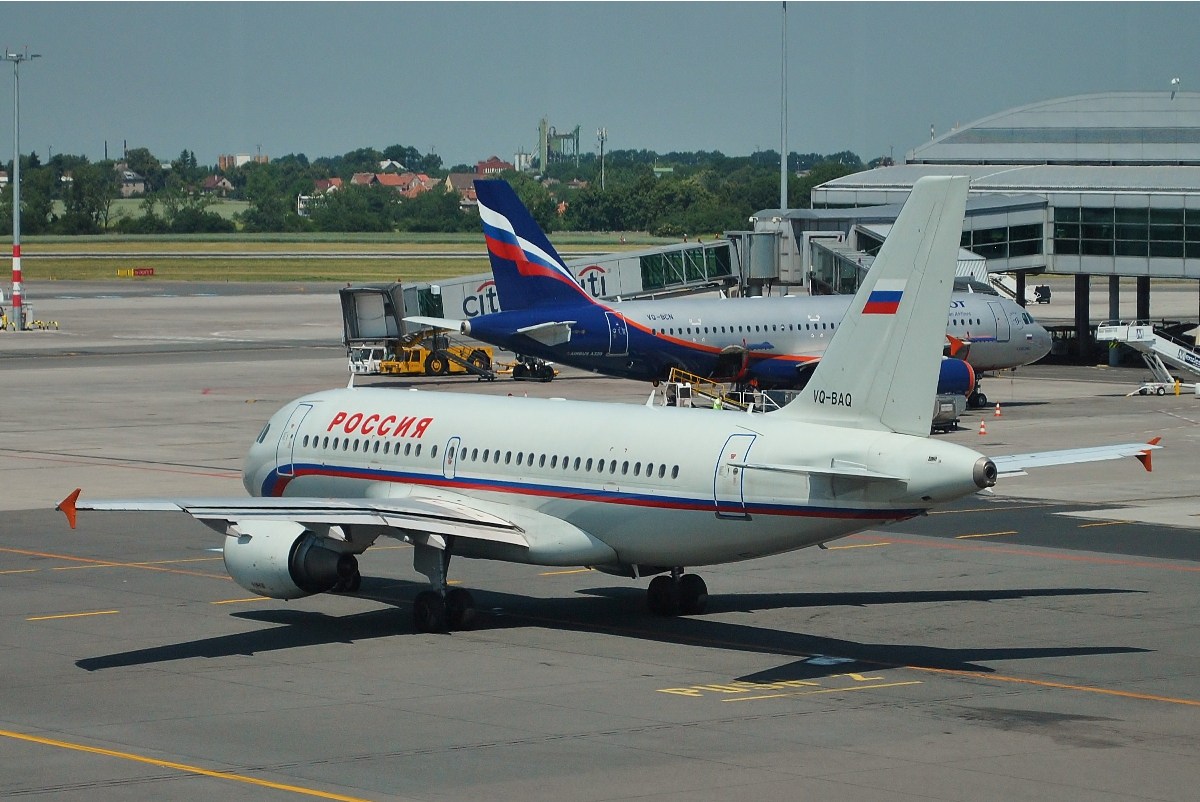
(87, 198)
(145, 164)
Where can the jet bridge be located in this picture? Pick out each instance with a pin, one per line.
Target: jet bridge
(1158, 350)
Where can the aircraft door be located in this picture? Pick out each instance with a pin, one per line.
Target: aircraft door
(284, 451)
(450, 460)
(1003, 327)
(728, 480)
(618, 334)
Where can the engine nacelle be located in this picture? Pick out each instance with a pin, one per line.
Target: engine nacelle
(955, 376)
(283, 560)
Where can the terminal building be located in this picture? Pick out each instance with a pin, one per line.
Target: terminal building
(1100, 185)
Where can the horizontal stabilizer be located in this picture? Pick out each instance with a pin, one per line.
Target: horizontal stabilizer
(1016, 464)
(549, 333)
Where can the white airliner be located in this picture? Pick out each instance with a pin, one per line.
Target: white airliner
(772, 342)
(630, 490)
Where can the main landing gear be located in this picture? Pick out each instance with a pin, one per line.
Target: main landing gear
(677, 594)
(439, 609)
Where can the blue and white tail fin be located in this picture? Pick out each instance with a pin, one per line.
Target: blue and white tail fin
(880, 370)
(527, 269)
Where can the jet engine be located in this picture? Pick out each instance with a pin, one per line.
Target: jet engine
(955, 376)
(283, 560)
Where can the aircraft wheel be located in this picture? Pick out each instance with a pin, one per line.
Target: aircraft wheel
(350, 584)
(546, 373)
(518, 371)
(693, 594)
(1143, 391)
(480, 360)
(662, 597)
(436, 364)
(460, 609)
(429, 612)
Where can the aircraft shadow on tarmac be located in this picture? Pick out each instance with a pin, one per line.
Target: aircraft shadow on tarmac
(621, 612)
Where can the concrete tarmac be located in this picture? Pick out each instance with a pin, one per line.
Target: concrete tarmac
(1038, 642)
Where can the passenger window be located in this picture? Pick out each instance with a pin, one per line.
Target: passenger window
(387, 447)
(587, 465)
(376, 447)
(675, 472)
(475, 455)
(335, 443)
(554, 461)
(577, 463)
(637, 469)
(407, 449)
(417, 450)
(625, 468)
(542, 461)
(325, 443)
(600, 466)
(432, 452)
(662, 471)
(507, 457)
(520, 456)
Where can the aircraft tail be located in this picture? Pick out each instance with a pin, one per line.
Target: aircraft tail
(880, 370)
(527, 269)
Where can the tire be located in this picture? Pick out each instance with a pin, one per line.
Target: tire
(480, 360)
(693, 594)
(429, 612)
(460, 609)
(662, 597)
(1160, 391)
(436, 364)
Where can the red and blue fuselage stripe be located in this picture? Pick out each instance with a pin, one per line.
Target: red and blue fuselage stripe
(275, 485)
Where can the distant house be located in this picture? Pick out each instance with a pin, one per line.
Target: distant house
(391, 166)
(217, 185)
(362, 179)
(464, 185)
(323, 185)
(493, 166)
(132, 184)
(3, 178)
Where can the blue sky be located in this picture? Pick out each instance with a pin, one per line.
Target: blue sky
(468, 80)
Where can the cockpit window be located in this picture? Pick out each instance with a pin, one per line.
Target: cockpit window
(263, 434)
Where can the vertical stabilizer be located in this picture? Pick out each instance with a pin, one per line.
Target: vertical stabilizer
(527, 269)
(880, 370)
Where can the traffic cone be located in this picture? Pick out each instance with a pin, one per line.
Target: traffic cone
(997, 409)
(982, 427)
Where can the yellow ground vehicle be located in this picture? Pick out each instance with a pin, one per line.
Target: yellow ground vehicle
(423, 354)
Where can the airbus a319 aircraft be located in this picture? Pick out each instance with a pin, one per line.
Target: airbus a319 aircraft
(774, 342)
(631, 490)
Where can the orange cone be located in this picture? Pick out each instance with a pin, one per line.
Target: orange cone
(997, 409)
(982, 427)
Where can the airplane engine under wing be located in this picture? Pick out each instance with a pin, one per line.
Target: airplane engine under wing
(956, 377)
(283, 560)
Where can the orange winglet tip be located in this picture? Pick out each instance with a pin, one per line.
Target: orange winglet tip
(955, 344)
(67, 506)
(1144, 457)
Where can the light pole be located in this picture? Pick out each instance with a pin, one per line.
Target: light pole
(18, 309)
(602, 136)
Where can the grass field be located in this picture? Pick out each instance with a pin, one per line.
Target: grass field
(297, 257)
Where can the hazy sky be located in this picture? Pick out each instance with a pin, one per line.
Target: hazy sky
(468, 80)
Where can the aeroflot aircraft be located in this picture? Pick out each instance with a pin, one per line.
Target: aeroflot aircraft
(630, 490)
(774, 341)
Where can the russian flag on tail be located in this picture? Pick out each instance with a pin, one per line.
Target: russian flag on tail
(885, 298)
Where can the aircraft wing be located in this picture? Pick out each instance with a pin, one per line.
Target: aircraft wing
(449, 324)
(549, 333)
(543, 538)
(1015, 464)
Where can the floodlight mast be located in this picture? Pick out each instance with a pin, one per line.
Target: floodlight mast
(17, 291)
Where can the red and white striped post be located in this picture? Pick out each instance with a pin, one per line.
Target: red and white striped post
(17, 301)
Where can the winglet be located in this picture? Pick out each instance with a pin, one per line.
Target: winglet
(67, 506)
(1144, 457)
